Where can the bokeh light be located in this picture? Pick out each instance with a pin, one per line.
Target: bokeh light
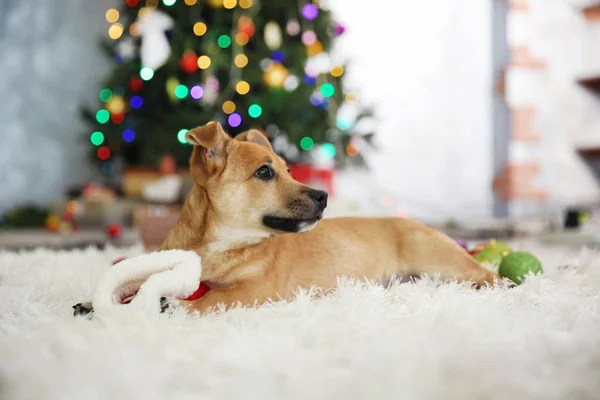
(351, 97)
(146, 73)
(310, 80)
(245, 4)
(181, 136)
(200, 28)
(292, 28)
(308, 38)
(224, 41)
(132, 3)
(102, 116)
(242, 87)
(310, 11)
(228, 107)
(196, 92)
(229, 4)
(234, 120)
(136, 102)
(328, 150)
(169, 3)
(352, 150)
(116, 104)
(241, 61)
(115, 31)
(97, 138)
(117, 118)
(254, 111)
(108, 167)
(344, 122)
(103, 153)
(337, 70)
(105, 95)
(190, 2)
(291, 83)
(181, 91)
(134, 29)
(203, 62)
(307, 143)
(278, 56)
(327, 90)
(72, 207)
(112, 15)
(242, 38)
(128, 135)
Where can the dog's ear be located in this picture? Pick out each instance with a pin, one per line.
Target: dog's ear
(254, 136)
(209, 148)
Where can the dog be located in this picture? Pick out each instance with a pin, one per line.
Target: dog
(260, 235)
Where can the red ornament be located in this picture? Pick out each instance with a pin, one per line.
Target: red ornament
(114, 230)
(117, 118)
(245, 25)
(136, 84)
(189, 62)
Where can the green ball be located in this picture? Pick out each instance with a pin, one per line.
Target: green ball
(518, 264)
(493, 253)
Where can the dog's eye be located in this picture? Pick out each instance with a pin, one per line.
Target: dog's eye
(264, 173)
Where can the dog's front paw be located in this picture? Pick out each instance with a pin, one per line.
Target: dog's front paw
(82, 309)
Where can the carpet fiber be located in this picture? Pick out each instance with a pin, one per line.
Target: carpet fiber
(414, 341)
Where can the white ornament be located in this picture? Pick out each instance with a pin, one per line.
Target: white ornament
(126, 49)
(155, 48)
(272, 35)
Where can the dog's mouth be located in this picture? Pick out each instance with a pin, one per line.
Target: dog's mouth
(291, 224)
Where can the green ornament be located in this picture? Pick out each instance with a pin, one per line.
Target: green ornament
(493, 253)
(518, 264)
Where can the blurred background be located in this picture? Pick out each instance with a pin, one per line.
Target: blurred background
(480, 117)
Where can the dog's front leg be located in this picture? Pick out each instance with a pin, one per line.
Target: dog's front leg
(216, 299)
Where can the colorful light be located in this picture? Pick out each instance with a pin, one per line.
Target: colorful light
(242, 38)
(351, 97)
(275, 75)
(108, 167)
(144, 12)
(169, 3)
(254, 111)
(102, 116)
(352, 150)
(310, 80)
(117, 118)
(292, 28)
(278, 56)
(119, 91)
(112, 15)
(228, 107)
(181, 91)
(190, 2)
(245, 4)
(314, 49)
(316, 99)
(344, 122)
(203, 62)
(339, 29)
(291, 83)
(105, 95)
(328, 150)
(97, 138)
(103, 153)
(128, 135)
(327, 90)
(310, 11)
(132, 3)
(307, 143)
(196, 92)
(229, 4)
(134, 29)
(200, 28)
(337, 70)
(241, 61)
(224, 41)
(136, 84)
(181, 136)
(72, 207)
(136, 102)
(242, 87)
(115, 31)
(116, 104)
(308, 38)
(234, 120)
(146, 73)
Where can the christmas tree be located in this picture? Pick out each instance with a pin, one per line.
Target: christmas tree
(250, 64)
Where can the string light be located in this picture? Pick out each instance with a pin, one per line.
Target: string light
(327, 90)
(245, 4)
(200, 28)
(102, 116)
(337, 70)
(136, 102)
(314, 49)
(128, 135)
(181, 91)
(152, 4)
(115, 31)
(316, 99)
(352, 150)
(254, 111)
(308, 38)
(116, 105)
(108, 167)
(242, 39)
(307, 143)
(190, 2)
(241, 61)
(242, 87)
(119, 91)
(97, 138)
(246, 25)
(144, 12)
(292, 28)
(134, 29)
(310, 11)
(328, 150)
(215, 3)
(278, 56)
(234, 120)
(132, 3)
(105, 95)
(196, 92)
(112, 15)
(117, 118)
(72, 207)
(229, 4)
(228, 107)
(351, 97)
(224, 41)
(275, 75)
(146, 73)
(203, 62)
(291, 83)
(344, 122)
(181, 136)
(310, 80)
(103, 153)
(169, 3)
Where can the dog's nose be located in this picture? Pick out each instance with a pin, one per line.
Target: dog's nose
(320, 197)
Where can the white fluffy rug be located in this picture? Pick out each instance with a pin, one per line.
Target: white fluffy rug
(414, 341)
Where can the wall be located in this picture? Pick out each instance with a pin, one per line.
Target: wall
(48, 54)
(427, 67)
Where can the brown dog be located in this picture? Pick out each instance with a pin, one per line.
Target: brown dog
(252, 224)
